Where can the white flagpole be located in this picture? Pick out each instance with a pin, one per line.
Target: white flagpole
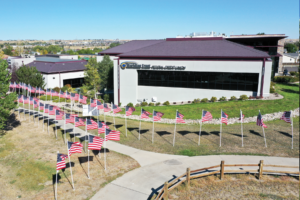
(38, 113)
(85, 134)
(292, 129)
(88, 153)
(55, 124)
(24, 108)
(104, 112)
(140, 125)
(153, 126)
(241, 116)
(105, 150)
(175, 129)
(48, 118)
(71, 168)
(125, 121)
(19, 107)
(59, 96)
(113, 114)
(263, 132)
(29, 108)
(65, 128)
(221, 128)
(65, 93)
(200, 128)
(74, 130)
(56, 181)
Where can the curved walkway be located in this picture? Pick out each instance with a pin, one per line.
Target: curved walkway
(158, 168)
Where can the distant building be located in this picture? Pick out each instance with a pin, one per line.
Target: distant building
(290, 58)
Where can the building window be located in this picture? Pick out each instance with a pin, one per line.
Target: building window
(75, 83)
(199, 80)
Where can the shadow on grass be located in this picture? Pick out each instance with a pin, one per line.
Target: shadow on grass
(84, 160)
(290, 91)
(10, 124)
(239, 135)
(286, 134)
(255, 133)
(118, 126)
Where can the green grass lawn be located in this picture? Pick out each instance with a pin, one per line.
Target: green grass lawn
(232, 108)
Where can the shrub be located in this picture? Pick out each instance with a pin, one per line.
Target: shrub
(64, 88)
(251, 97)
(285, 79)
(272, 90)
(243, 97)
(213, 99)
(137, 105)
(196, 100)
(293, 73)
(151, 104)
(68, 86)
(166, 103)
(106, 98)
(144, 103)
(223, 98)
(204, 100)
(157, 104)
(56, 89)
(233, 98)
(130, 104)
(119, 104)
(174, 103)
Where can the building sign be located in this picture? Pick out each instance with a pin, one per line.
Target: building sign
(134, 65)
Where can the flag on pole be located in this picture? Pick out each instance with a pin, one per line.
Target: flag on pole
(67, 95)
(102, 127)
(90, 124)
(99, 105)
(95, 142)
(31, 100)
(179, 118)
(69, 118)
(11, 85)
(206, 116)
(51, 110)
(48, 92)
(20, 98)
(93, 103)
(224, 118)
(73, 96)
(54, 93)
(46, 108)
(157, 116)
(35, 104)
(129, 110)
(116, 109)
(61, 94)
(61, 161)
(58, 115)
(145, 114)
(106, 108)
(79, 122)
(286, 116)
(41, 106)
(259, 121)
(112, 135)
(82, 99)
(74, 147)
(242, 116)
(25, 100)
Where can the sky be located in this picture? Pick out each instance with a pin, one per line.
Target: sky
(144, 19)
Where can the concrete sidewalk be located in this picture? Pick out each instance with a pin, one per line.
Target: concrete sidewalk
(158, 168)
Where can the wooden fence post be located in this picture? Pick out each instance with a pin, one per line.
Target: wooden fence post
(222, 169)
(260, 170)
(166, 191)
(188, 173)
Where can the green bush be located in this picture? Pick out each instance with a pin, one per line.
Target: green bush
(157, 104)
(137, 105)
(272, 84)
(204, 100)
(213, 99)
(56, 89)
(243, 97)
(151, 104)
(64, 89)
(223, 98)
(233, 98)
(106, 98)
(285, 79)
(166, 103)
(196, 101)
(293, 73)
(119, 104)
(272, 90)
(130, 104)
(144, 103)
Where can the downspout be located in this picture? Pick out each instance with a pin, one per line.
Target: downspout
(118, 80)
(59, 80)
(262, 78)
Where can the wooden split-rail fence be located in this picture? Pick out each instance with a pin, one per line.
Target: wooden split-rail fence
(186, 177)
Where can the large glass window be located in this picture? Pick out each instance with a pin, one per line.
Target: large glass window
(75, 83)
(204, 80)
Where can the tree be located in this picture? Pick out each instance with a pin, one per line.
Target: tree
(19, 50)
(7, 101)
(54, 49)
(30, 75)
(262, 33)
(114, 44)
(103, 68)
(91, 75)
(8, 50)
(1, 54)
(290, 47)
(14, 77)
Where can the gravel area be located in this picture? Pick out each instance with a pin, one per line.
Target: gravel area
(266, 117)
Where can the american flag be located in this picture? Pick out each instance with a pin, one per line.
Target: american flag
(242, 116)
(79, 122)
(41, 106)
(93, 103)
(36, 99)
(116, 109)
(73, 96)
(99, 105)
(286, 116)
(32, 89)
(46, 108)
(67, 95)
(91, 124)
(106, 108)
(95, 142)
(48, 92)
(157, 116)
(54, 93)
(61, 161)
(58, 115)
(129, 110)
(61, 94)
(25, 86)
(101, 127)
(25, 100)
(74, 147)
(206, 116)
(51, 110)
(224, 118)
(11, 85)
(69, 118)
(260, 121)
(112, 135)
(20, 98)
(145, 114)
(82, 99)
(31, 100)
(35, 104)
(179, 117)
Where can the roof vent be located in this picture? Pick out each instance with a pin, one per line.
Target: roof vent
(63, 63)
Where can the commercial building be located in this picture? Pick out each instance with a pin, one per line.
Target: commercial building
(183, 69)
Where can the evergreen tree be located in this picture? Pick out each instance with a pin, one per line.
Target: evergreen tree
(104, 69)
(91, 75)
(7, 101)
(30, 75)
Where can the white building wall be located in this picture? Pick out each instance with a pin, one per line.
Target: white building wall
(74, 57)
(57, 80)
(131, 92)
(18, 62)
